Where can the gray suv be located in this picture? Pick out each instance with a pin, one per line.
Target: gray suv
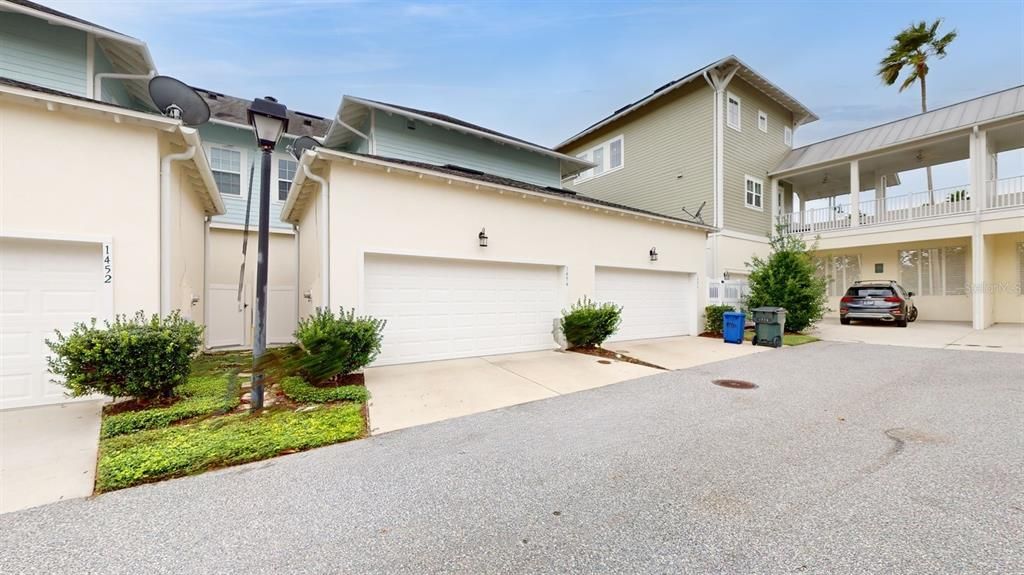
(878, 300)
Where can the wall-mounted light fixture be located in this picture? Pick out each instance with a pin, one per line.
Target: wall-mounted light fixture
(725, 275)
(483, 237)
(654, 254)
(308, 296)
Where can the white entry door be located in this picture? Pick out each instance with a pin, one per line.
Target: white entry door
(227, 316)
(445, 308)
(44, 286)
(654, 303)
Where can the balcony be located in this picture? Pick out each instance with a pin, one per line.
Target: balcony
(940, 203)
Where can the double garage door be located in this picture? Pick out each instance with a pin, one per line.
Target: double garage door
(44, 285)
(444, 308)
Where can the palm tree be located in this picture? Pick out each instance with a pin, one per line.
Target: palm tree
(911, 48)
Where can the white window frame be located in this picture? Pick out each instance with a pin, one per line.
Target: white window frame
(242, 186)
(762, 121)
(787, 136)
(738, 126)
(757, 182)
(606, 158)
(277, 176)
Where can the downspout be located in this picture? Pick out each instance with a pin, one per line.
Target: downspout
(718, 85)
(206, 278)
(325, 235)
(97, 85)
(298, 270)
(165, 225)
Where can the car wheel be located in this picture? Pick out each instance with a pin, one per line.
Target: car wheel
(913, 315)
(844, 320)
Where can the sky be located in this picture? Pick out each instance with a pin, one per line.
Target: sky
(542, 71)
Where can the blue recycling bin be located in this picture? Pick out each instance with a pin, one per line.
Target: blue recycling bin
(733, 323)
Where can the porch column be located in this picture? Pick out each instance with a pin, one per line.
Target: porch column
(854, 193)
(879, 197)
(976, 164)
(776, 210)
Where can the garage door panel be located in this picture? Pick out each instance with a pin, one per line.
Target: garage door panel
(440, 308)
(654, 304)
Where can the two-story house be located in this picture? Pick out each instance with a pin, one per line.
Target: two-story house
(462, 238)
(235, 160)
(103, 200)
(699, 147)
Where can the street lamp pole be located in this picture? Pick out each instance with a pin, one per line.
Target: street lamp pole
(269, 120)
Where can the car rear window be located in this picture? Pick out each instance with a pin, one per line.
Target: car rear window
(870, 291)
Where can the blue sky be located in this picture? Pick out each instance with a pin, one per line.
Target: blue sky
(544, 70)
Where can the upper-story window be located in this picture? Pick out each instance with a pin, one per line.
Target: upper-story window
(754, 192)
(762, 121)
(285, 174)
(609, 156)
(226, 165)
(787, 136)
(732, 111)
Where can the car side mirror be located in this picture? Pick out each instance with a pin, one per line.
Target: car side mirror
(910, 293)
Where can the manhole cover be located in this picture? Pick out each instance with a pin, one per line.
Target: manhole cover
(734, 383)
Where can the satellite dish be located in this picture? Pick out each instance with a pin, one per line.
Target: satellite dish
(177, 100)
(302, 144)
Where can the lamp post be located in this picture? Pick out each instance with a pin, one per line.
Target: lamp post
(268, 120)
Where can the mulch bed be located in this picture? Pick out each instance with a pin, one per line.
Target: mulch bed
(613, 355)
(341, 381)
(138, 405)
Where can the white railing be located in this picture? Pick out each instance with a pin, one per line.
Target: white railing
(727, 292)
(942, 202)
(1005, 193)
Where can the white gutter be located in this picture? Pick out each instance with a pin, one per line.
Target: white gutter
(345, 125)
(97, 85)
(206, 279)
(298, 270)
(325, 231)
(165, 225)
(191, 137)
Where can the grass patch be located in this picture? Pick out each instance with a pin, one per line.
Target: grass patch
(230, 440)
(300, 391)
(791, 339)
(201, 395)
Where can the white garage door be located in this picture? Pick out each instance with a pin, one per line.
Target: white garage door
(44, 285)
(654, 304)
(441, 308)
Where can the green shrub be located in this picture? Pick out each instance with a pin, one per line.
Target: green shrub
(205, 395)
(787, 279)
(230, 440)
(131, 357)
(589, 324)
(300, 391)
(714, 317)
(336, 345)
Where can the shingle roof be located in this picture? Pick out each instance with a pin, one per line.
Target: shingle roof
(453, 120)
(58, 13)
(232, 109)
(957, 116)
(44, 90)
(477, 175)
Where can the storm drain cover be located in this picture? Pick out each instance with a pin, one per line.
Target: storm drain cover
(734, 383)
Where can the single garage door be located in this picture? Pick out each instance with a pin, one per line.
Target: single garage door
(444, 308)
(654, 304)
(44, 285)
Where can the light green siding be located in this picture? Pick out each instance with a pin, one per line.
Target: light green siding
(242, 140)
(751, 152)
(435, 145)
(35, 52)
(113, 89)
(668, 156)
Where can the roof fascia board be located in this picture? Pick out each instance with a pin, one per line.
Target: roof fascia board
(191, 137)
(116, 113)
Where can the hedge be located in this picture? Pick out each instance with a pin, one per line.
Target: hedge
(204, 395)
(300, 391)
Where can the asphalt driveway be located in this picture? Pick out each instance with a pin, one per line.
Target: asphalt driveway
(908, 463)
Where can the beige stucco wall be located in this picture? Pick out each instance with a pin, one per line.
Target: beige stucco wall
(735, 253)
(376, 212)
(668, 156)
(68, 175)
(310, 265)
(1004, 291)
(751, 152)
(187, 243)
(937, 307)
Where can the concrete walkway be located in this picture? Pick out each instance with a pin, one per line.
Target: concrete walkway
(1007, 338)
(413, 394)
(48, 453)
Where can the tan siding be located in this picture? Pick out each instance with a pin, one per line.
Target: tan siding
(668, 139)
(752, 152)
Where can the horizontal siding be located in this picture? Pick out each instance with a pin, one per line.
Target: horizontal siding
(668, 156)
(38, 53)
(435, 145)
(243, 141)
(113, 89)
(752, 152)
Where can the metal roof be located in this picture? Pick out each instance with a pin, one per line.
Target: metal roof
(802, 114)
(959, 116)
